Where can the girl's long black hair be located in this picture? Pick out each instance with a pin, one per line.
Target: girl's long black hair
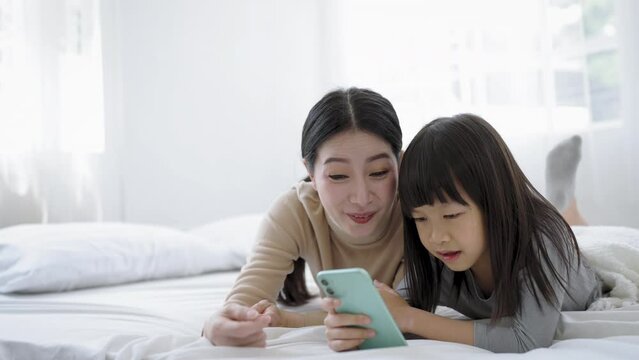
(519, 223)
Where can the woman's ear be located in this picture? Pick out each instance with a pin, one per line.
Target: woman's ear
(310, 174)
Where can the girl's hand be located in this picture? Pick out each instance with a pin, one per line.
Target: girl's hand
(397, 306)
(340, 333)
(237, 325)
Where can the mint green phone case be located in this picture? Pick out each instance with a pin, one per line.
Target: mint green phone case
(355, 289)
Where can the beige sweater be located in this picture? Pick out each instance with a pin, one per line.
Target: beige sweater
(296, 226)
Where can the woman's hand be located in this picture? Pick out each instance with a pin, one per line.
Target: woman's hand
(279, 317)
(340, 331)
(237, 325)
(397, 306)
(266, 307)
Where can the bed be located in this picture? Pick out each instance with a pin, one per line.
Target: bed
(105, 297)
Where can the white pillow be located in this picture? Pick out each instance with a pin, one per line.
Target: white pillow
(60, 257)
(239, 232)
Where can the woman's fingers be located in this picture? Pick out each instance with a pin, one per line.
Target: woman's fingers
(329, 304)
(344, 345)
(255, 340)
(237, 325)
(344, 331)
(340, 320)
(239, 312)
(341, 339)
(261, 306)
(349, 333)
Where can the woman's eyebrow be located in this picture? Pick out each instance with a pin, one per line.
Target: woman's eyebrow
(378, 156)
(336, 159)
(369, 159)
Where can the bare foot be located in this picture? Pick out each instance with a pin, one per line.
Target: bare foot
(572, 215)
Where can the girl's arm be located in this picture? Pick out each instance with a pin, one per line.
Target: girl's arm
(423, 323)
(534, 326)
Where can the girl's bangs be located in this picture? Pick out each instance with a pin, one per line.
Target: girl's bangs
(428, 174)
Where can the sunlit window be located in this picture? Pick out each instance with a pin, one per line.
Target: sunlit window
(51, 96)
(528, 65)
(586, 68)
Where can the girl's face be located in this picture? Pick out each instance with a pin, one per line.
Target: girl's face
(355, 175)
(454, 233)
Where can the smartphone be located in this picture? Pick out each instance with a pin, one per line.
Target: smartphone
(355, 289)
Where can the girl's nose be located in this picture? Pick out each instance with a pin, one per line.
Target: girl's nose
(439, 236)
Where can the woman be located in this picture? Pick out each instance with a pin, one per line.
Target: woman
(345, 214)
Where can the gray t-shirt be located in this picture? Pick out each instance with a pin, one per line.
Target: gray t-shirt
(532, 326)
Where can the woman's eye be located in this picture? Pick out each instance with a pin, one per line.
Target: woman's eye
(419, 219)
(452, 216)
(338, 177)
(379, 173)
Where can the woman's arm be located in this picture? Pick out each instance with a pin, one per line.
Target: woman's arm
(278, 245)
(284, 318)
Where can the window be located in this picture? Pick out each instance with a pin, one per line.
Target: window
(51, 96)
(586, 70)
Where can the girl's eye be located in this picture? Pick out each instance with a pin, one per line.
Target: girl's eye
(379, 173)
(452, 216)
(419, 219)
(338, 177)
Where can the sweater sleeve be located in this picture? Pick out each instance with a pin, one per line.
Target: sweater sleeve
(276, 248)
(533, 327)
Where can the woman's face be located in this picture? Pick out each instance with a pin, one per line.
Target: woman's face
(355, 175)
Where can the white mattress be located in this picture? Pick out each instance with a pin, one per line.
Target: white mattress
(163, 319)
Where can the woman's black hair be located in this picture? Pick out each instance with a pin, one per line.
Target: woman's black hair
(338, 111)
(466, 151)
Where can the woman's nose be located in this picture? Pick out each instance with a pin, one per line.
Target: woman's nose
(361, 194)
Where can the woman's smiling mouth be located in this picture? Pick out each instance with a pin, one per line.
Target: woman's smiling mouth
(361, 218)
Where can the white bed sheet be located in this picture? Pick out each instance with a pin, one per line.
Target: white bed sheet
(163, 319)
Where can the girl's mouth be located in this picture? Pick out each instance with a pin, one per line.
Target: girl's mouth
(450, 255)
(361, 218)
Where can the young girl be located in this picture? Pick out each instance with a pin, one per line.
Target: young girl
(480, 239)
(346, 215)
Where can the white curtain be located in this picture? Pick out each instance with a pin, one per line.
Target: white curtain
(51, 111)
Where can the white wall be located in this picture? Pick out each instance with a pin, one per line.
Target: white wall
(213, 98)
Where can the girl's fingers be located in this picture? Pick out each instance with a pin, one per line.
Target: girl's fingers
(381, 286)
